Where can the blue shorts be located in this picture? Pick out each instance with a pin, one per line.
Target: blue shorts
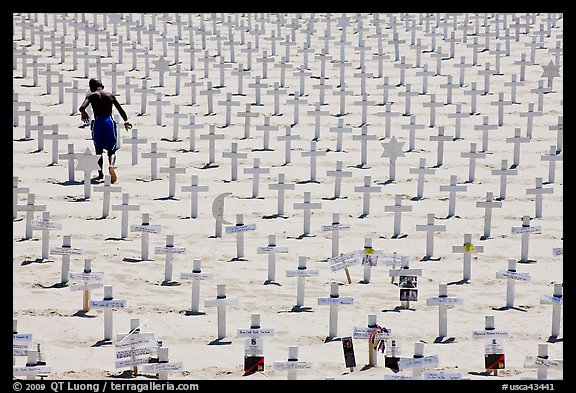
(104, 134)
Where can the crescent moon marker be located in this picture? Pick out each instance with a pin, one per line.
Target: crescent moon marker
(218, 208)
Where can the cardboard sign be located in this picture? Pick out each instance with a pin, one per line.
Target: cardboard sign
(130, 362)
(196, 276)
(520, 230)
(534, 362)
(240, 228)
(513, 275)
(414, 362)
(169, 250)
(85, 286)
(333, 227)
(272, 249)
(124, 340)
(440, 375)
(92, 276)
(46, 225)
(394, 260)
(65, 251)
(22, 337)
(404, 272)
(348, 348)
(114, 303)
(31, 370)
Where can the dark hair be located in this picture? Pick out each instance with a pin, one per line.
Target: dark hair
(95, 84)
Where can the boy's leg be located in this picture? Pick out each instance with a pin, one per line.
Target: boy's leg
(112, 162)
(100, 163)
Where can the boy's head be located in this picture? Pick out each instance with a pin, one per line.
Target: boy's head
(95, 84)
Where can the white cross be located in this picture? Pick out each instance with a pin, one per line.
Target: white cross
(307, 206)
(281, 187)
(30, 207)
(125, 208)
(220, 303)
(467, 249)
(430, 228)
(45, 225)
(194, 189)
(504, 172)
(313, 153)
(169, 250)
(106, 189)
(366, 189)
(488, 205)
(134, 141)
(211, 137)
(538, 192)
(172, 171)
(256, 171)
(452, 188)
(397, 209)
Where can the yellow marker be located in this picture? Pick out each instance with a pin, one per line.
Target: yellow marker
(368, 250)
(469, 247)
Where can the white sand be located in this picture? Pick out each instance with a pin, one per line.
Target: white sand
(69, 339)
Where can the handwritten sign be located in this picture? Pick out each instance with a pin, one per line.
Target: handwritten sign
(294, 365)
(520, 230)
(272, 249)
(368, 332)
(196, 276)
(334, 227)
(440, 375)
(65, 251)
(557, 251)
(156, 367)
(436, 300)
(169, 250)
(335, 300)
(489, 333)
(240, 228)
(548, 299)
(255, 332)
(31, 370)
(342, 261)
(513, 275)
(145, 228)
(114, 303)
(46, 225)
(302, 273)
(533, 362)
(414, 362)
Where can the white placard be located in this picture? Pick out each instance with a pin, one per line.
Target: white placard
(156, 367)
(392, 350)
(397, 377)
(405, 272)
(85, 286)
(134, 352)
(113, 303)
(494, 346)
(557, 251)
(335, 300)
(440, 375)
(20, 350)
(534, 361)
(254, 347)
(333, 227)
(124, 340)
(292, 365)
(21, 337)
(255, 332)
(489, 333)
(342, 261)
(413, 362)
(145, 228)
(222, 302)
(302, 273)
(272, 249)
(65, 251)
(46, 225)
(169, 250)
(436, 300)
(131, 362)
(366, 333)
(513, 275)
(31, 370)
(520, 230)
(92, 276)
(240, 228)
(392, 259)
(196, 276)
(548, 299)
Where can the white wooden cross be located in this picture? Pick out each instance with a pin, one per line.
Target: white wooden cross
(538, 192)
(134, 141)
(421, 171)
(453, 188)
(552, 157)
(335, 228)
(221, 301)
(559, 128)
(511, 276)
(367, 190)
(55, 137)
(517, 139)
(146, 229)
(163, 366)
(45, 225)
(256, 171)
(87, 162)
(169, 250)
(525, 231)
(313, 154)
(15, 191)
(440, 138)
(125, 208)
(317, 113)
(106, 189)
(397, 209)
(281, 187)
(196, 276)
(364, 137)
(467, 248)
(193, 125)
(271, 249)
(340, 130)
(333, 301)
(488, 205)
(21, 342)
(108, 304)
(492, 340)
(288, 138)
(194, 188)
(292, 365)
(254, 332)
(430, 228)
(443, 301)
(211, 137)
(369, 258)
(159, 103)
(503, 172)
(239, 230)
(234, 156)
(542, 362)
(301, 273)
(172, 171)
(392, 150)
(557, 301)
(154, 155)
(433, 104)
(418, 361)
(338, 174)
(33, 367)
(65, 250)
(307, 206)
